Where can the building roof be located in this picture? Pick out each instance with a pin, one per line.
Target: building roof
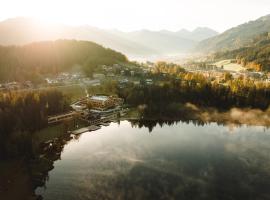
(99, 98)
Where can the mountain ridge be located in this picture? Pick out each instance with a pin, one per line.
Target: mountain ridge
(21, 30)
(236, 37)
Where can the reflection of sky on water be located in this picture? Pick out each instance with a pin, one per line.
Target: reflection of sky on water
(177, 161)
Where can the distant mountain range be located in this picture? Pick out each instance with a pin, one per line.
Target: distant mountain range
(140, 43)
(199, 34)
(237, 37)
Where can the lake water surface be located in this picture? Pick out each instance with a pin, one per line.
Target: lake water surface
(180, 161)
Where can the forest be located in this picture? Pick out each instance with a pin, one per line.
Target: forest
(164, 98)
(23, 113)
(173, 87)
(32, 61)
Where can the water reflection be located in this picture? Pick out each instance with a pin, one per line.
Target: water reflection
(178, 160)
(151, 124)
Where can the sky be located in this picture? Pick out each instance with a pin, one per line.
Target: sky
(129, 15)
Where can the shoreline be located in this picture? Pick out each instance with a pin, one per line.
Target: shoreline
(231, 117)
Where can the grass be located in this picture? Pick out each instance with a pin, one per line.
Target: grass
(228, 65)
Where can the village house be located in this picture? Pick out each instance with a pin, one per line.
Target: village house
(98, 76)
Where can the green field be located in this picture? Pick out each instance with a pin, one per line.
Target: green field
(229, 65)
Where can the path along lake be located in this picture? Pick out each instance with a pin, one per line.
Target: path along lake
(178, 161)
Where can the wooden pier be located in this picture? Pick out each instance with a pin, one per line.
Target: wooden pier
(86, 129)
(64, 117)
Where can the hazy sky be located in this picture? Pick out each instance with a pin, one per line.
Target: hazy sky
(130, 15)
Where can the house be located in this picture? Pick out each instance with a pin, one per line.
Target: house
(28, 84)
(89, 81)
(110, 75)
(2, 87)
(123, 83)
(132, 73)
(13, 85)
(98, 76)
(136, 82)
(149, 81)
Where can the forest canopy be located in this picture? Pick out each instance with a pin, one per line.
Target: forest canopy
(29, 62)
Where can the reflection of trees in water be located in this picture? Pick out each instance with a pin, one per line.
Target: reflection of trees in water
(43, 163)
(218, 177)
(35, 159)
(151, 124)
(193, 174)
(34, 167)
(201, 175)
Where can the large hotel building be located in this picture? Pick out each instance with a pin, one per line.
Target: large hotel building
(102, 102)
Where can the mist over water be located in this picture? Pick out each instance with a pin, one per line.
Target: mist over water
(180, 161)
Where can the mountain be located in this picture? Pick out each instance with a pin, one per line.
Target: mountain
(18, 31)
(168, 42)
(199, 34)
(236, 37)
(184, 33)
(163, 42)
(31, 61)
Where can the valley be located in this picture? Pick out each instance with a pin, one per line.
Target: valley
(96, 113)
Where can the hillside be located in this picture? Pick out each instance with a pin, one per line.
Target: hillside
(255, 56)
(163, 42)
(29, 62)
(169, 42)
(142, 43)
(237, 37)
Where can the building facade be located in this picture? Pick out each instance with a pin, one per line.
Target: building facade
(102, 102)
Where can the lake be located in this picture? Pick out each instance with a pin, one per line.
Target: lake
(179, 161)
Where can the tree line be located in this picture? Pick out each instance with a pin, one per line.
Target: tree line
(164, 98)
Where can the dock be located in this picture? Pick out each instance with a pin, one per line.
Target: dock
(93, 127)
(65, 116)
(86, 129)
(104, 123)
